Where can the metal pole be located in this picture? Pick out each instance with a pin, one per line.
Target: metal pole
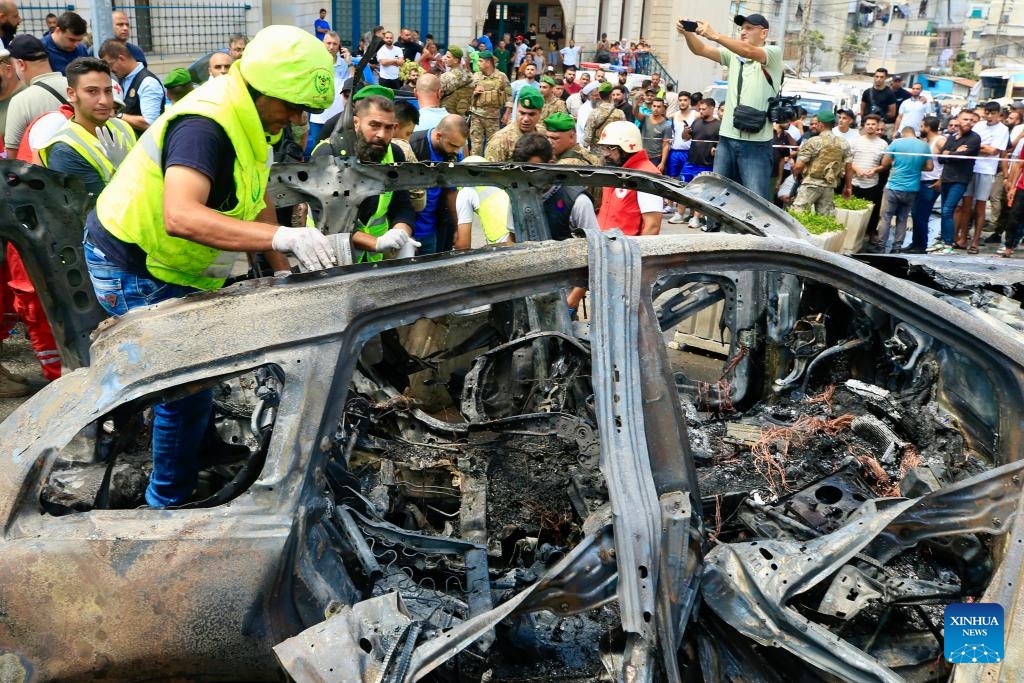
(102, 23)
(888, 36)
(783, 20)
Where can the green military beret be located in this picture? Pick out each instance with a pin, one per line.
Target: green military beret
(560, 122)
(485, 54)
(177, 77)
(531, 98)
(605, 87)
(456, 52)
(547, 79)
(369, 90)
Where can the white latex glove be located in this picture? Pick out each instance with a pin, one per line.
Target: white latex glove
(307, 244)
(114, 148)
(395, 238)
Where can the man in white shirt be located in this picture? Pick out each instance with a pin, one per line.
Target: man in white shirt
(913, 110)
(995, 137)
(864, 182)
(570, 55)
(391, 58)
(845, 128)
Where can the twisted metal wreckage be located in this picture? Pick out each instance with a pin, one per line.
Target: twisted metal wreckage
(449, 479)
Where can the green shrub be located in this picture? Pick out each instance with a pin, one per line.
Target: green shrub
(816, 224)
(852, 204)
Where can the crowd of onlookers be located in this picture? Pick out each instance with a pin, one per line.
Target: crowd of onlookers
(904, 156)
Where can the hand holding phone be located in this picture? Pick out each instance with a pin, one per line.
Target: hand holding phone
(688, 26)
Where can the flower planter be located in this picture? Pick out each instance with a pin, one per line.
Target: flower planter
(856, 223)
(831, 241)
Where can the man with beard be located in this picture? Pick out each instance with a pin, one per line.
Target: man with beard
(562, 135)
(9, 21)
(503, 143)
(384, 223)
(635, 213)
(122, 31)
(391, 58)
(435, 224)
(569, 85)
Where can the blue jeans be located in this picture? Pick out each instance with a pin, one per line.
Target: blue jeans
(898, 204)
(178, 426)
(748, 163)
(952, 193)
(922, 213)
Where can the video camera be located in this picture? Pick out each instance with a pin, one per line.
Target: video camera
(782, 108)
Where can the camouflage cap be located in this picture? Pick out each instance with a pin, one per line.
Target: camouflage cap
(560, 122)
(530, 98)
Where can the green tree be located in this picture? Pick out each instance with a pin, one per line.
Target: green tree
(963, 67)
(853, 46)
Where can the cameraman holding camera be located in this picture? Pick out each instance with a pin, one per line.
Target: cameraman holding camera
(755, 78)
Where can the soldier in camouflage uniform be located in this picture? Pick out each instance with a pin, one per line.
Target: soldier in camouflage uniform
(503, 143)
(456, 84)
(562, 135)
(490, 89)
(552, 103)
(821, 162)
(602, 114)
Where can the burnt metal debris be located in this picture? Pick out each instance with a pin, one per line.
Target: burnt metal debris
(425, 470)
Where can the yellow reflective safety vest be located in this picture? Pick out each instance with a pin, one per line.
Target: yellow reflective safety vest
(87, 146)
(378, 223)
(495, 213)
(131, 207)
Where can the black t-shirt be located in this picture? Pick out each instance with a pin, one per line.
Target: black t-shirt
(192, 141)
(531, 38)
(409, 50)
(878, 102)
(901, 96)
(704, 137)
(960, 170)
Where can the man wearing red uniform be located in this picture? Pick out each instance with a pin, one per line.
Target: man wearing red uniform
(635, 213)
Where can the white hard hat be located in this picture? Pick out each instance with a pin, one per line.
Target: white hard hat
(622, 134)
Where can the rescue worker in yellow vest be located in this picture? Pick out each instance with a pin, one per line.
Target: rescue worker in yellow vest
(384, 223)
(190, 198)
(93, 143)
(487, 205)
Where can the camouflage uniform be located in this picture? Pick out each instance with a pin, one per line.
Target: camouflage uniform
(577, 156)
(601, 116)
(456, 90)
(825, 157)
(485, 119)
(503, 143)
(555, 105)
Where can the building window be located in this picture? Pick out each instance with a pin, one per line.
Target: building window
(977, 34)
(427, 16)
(355, 18)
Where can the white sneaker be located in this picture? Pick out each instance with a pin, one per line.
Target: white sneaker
(676, 218)
(668, 209)
(694, 222)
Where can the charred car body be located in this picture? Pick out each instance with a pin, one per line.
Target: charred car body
(448, 479)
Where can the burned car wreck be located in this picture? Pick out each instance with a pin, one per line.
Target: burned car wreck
(449, 479)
